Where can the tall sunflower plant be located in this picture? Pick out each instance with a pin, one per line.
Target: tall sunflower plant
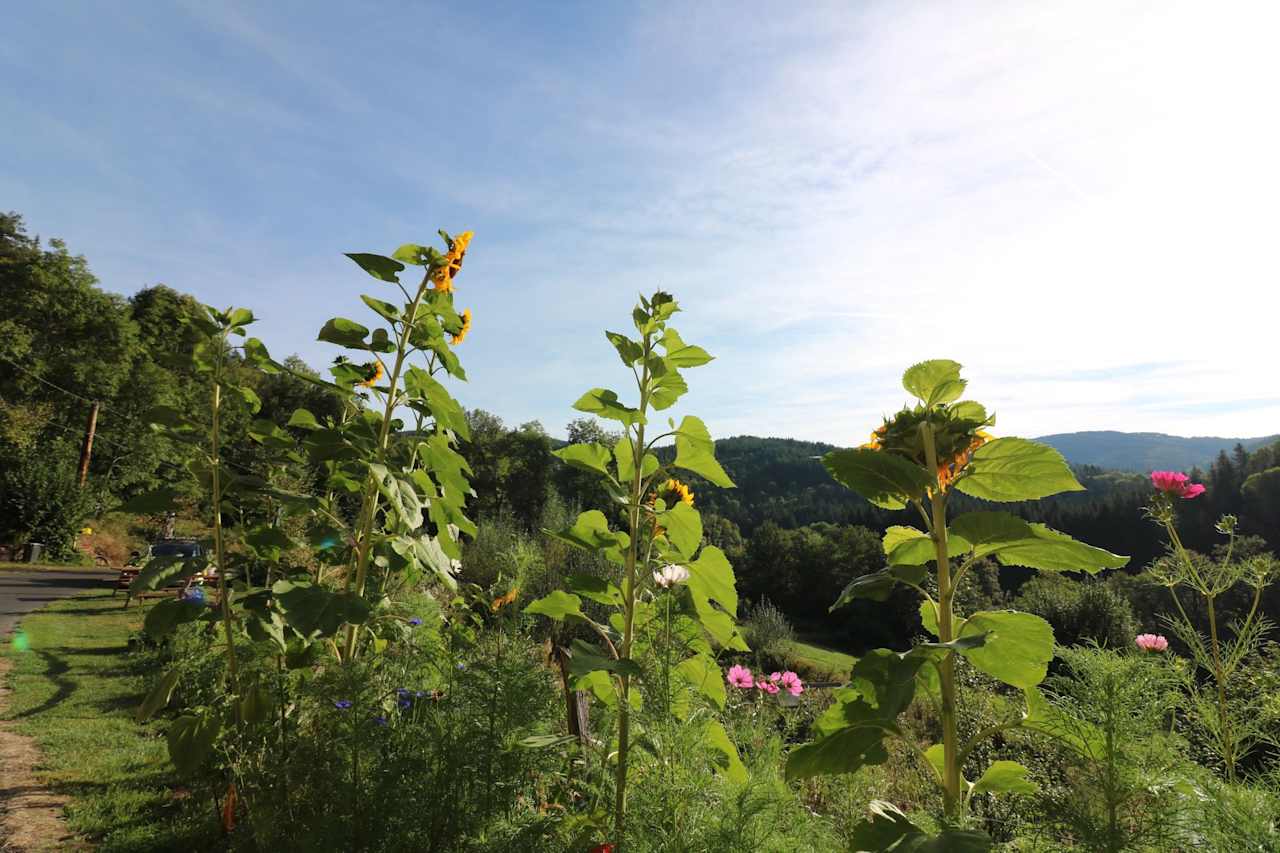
(918, 461)
(408, 487)
(673, 602)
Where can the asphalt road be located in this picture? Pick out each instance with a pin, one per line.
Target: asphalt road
(22, 592)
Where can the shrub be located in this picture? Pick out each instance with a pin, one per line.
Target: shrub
(1117, 780)
(1079, 611)
(768, 633)
(41, 501)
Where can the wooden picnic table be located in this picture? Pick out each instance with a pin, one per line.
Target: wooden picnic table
(127, 575)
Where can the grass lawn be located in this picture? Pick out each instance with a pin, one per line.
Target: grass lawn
(74, 691)
(822, 661)
(51, 567)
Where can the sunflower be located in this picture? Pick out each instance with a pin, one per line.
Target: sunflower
(461, 334)
(373, 372)
(681, 490)
(950, 469)
(877, 438)
(443, 276)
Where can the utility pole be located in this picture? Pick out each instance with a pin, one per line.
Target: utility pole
(88, 444)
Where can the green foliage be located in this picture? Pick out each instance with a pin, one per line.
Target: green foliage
(1080, 612)
(40, 501)
(1117, 779)
(674, 600)
(1226, 714)
(769, 633)
(917, 458)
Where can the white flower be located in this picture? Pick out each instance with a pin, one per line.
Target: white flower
(670, 576)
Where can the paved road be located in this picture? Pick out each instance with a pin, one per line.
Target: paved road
(22, 592)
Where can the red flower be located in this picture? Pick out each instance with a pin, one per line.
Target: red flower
(602, 848)
(1176, 484)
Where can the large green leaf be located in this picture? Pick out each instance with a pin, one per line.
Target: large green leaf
(317, 611)
(446, 411)
(378, 266)
(1014, 469)
(168, 614)
(595, 588)
(624, 455)
(158, 696)
(934, 382)
(907, 546)
(401, 496)
(191, 738)
(628, 350)
(696, 452)
(344, 333)
(714, 736)
(604, 403)
(1018, 646)
(703, 674)
(683, 524)
(1004, 777)
(876, 586)
(711, 582)
(557, 605)
(888, 829)
(667, 389)
(585, 658)
(1014, 542)
(588, 457)
(886, 480)
(162, 571)
(1051, 550)
(680, 354)
(711, 576)
(591, 532)
(384, 309)
(846, 750)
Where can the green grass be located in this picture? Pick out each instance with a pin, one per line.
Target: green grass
(821, 661)
(75, 688)
(50, 567)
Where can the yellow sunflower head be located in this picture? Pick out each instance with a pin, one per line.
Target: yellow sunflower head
(466, 327)
(680, 490)
(373, 372)
(442, 277)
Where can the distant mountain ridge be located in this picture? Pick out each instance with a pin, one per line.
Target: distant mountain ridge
(1145, 451)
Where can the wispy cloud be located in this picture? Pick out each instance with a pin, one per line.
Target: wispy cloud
(1074, 201)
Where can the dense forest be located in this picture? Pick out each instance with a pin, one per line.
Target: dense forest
(796, 536)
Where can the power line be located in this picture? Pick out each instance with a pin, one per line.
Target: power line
(111, 442)
(46, 381)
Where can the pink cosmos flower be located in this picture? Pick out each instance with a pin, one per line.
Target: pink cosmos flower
(1176, 484)
(767, 686)
(1151, 642)
(791, 683)
(740, 676)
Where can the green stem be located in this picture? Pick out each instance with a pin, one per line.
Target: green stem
(1220, 680)
(219, 547)
(950, 746)
(369, 509)
(629, 610)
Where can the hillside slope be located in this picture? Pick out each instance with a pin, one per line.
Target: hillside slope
(1145, 451)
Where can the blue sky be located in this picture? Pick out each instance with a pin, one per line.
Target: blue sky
(1076, 200)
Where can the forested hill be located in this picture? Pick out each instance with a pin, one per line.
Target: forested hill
(782, 480)
(1145, 451)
